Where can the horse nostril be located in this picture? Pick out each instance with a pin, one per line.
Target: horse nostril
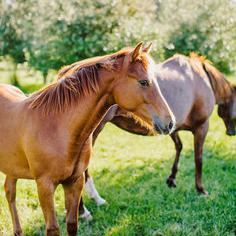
(157, 128)
(170, 125)
(231, 132)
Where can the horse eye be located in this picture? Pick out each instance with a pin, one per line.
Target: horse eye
(144, 83)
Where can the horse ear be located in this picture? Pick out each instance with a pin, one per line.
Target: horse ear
(137, 51)
(148, 48)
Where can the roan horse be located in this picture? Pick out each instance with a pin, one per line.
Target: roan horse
(47, 136)
(191, 87)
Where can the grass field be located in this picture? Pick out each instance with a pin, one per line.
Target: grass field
(130, 173)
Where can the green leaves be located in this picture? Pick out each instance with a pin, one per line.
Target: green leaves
(50, 34)
(206, 27)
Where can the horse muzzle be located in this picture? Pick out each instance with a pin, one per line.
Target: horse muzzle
(231, 132)
(161, 128)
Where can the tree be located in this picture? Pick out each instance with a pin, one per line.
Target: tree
(206, 27)
(11, 44)
(84, 29)
(50, 34)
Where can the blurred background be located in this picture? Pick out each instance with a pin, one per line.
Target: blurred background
(38, 37)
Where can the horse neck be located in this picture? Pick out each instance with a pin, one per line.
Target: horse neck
(85, 116)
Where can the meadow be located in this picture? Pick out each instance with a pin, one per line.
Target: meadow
(130, 173)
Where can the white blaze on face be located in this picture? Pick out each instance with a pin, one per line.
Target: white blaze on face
(151, 70)
(152, 73)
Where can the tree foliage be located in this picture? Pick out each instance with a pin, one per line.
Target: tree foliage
(206, 27)
(82, 29)
(11, 43)
(50, 34)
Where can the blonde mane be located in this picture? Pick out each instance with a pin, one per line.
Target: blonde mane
(74, 81)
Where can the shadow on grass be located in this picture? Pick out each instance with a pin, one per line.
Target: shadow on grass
(140, 203)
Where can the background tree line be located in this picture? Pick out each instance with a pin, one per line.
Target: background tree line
(49, 34)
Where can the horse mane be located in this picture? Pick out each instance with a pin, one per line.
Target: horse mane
(74, 81)
(104, 61)
(221, 87)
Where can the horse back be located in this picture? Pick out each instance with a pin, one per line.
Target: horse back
(188, 92)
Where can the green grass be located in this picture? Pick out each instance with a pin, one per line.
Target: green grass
(130, 173)
(29, 79)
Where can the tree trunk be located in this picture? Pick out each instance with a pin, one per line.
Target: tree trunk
(45, 75)
(14, 78)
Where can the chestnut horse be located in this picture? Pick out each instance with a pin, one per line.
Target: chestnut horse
(191, 86)
(47, 136)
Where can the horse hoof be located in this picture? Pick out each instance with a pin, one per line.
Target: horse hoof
(53, 232)
(86, 216)
(18, 233)
(171, 183)
(100, 201)
(203, 192)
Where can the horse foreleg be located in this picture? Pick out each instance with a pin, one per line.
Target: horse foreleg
(90, 188)
(108, 117)
(178, 147)
(84, 213)
(10, 190)
(199, 138)
(92, 191)
(46, 189)
(73, 192)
